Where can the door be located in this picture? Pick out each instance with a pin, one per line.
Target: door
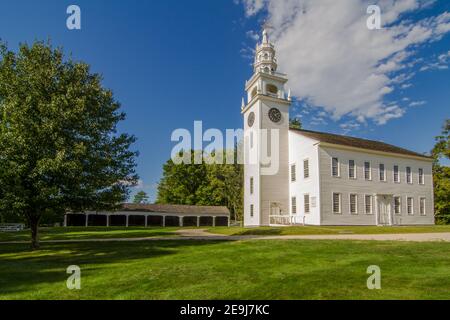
(384, 210)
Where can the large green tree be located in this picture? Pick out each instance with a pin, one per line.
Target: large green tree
(59, 148)
(140, 198)
(441, 175)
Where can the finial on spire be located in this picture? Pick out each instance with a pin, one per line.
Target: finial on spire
(243, 103)
(266, 26)
(289, 95)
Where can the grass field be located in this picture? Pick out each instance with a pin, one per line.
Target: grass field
(277, 269)
(311, 230)
(73, 233)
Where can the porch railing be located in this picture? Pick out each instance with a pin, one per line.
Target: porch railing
(285, 220)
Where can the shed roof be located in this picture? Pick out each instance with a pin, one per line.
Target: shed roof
(175, 208)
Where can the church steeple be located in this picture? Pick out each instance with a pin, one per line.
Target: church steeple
(265, 57)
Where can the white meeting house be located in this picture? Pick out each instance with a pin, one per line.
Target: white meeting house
(323, 178)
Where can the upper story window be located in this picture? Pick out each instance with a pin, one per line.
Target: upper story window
(408, 175)
(306, 203)
(367, 171)
(293, 173)
(251, 185)
(335, 167)
(382, 172)
(396, 174)
(353, 204)
(306, 169)
(351, 169)
(336, 202)
(251, 210)
(251, 139)
(421, 177)
(397, 205)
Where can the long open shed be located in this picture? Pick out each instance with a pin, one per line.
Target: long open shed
(152, 215)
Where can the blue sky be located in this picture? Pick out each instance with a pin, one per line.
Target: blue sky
(170, 63)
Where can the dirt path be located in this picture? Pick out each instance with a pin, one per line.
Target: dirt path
(202, 235)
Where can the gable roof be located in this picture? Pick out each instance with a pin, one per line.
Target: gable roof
(357, 142)
(175, 208)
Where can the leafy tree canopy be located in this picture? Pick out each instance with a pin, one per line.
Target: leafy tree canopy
(140, 198)
(59, 148)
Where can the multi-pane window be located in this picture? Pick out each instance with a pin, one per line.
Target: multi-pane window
(421, 180)
(368, 203)
(251, 210)
(397, 207)
(335, 167)
(293, 173)
(408, 175)
(396, 174)
(409, 205)
(367, 171)
(422, 206)
(306, 200)
(382, 171)
(351, 169)
(353, 204)
(251, 185)
(336, 203)
(251, 139)
(306, 168)
(294, 205)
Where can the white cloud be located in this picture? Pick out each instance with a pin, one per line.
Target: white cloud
(252, 35)
(440, 63)
(417, 103)
(334, 61)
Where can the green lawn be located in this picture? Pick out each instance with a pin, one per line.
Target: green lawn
(73, 233)
(311, 230)
(227, 270)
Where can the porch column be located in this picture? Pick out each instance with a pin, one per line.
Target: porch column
(198, 221)
(107, 220)
(146, 217)
(181, 221)
(126, 223)
(87, 219)
(164, 221)
(214, 221)
(65, 220)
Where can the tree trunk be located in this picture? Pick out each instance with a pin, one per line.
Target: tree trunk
(34, 226)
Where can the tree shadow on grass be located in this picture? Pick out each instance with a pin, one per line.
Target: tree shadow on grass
(22, 269)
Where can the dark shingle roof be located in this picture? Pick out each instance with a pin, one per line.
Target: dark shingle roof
(174, 208)
(357, 142)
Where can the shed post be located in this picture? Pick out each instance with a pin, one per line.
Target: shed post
(126, 223)
(87, 219)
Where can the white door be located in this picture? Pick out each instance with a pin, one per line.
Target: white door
(384, 210)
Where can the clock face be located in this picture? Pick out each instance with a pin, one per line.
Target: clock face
(275, 115)
(251, 119)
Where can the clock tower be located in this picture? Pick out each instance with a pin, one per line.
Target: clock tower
(266, 143)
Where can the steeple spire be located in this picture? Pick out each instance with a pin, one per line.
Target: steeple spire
(265, 57)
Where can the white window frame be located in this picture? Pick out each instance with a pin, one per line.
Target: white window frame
(294, 205)
(309, 173)
(412, 206)
(350, 203)
(398, 174)
(354, 169)
(384, 172)
(424, 213)
(371, 204)
(293, 172)
(399, 213)
(338, 167)
(409, 179)
(251, 139)
(252, 210)
(306, 195)
(340, 202)
(421, 175)
(370, 171)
